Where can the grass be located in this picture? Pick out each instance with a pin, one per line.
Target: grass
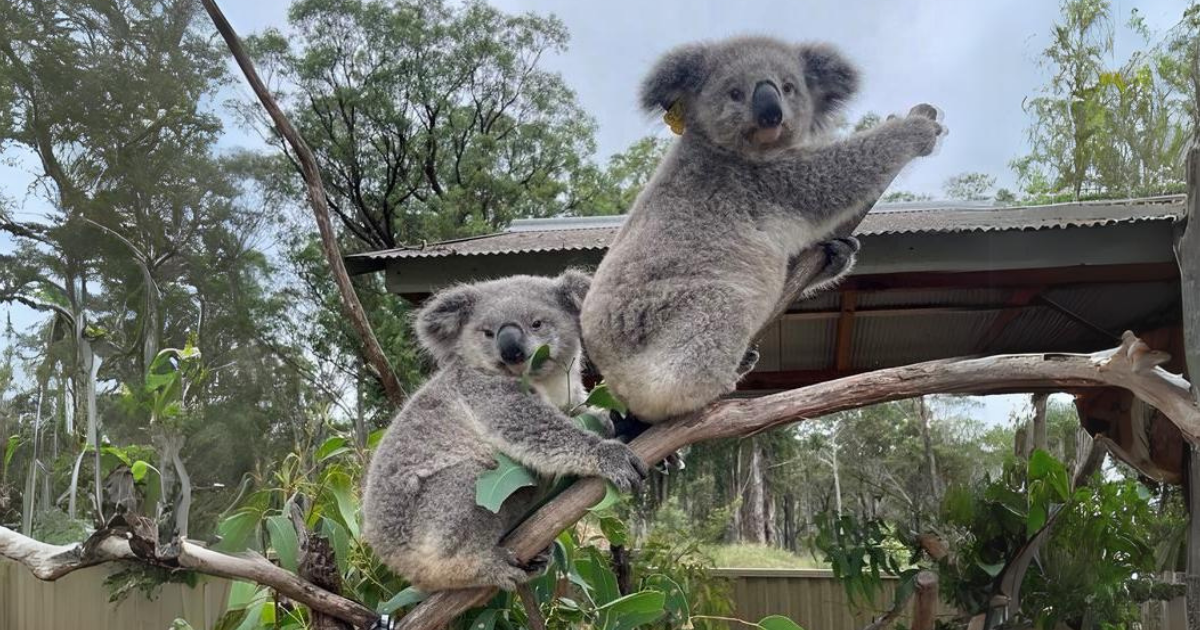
(748, 556)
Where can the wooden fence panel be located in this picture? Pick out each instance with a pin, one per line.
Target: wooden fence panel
(80, 600)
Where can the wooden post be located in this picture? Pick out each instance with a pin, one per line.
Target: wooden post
(1187, 254)
(925, 601)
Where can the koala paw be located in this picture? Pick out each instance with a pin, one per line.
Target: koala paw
(924, 122)
(749, 360)
(840, 255)
(621, 465)
(534, 567)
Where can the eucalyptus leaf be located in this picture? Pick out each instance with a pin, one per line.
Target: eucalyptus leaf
(496, 485)
(632, 611)
(603, 398)
(284, 541)
(403, 599)
(778, 622)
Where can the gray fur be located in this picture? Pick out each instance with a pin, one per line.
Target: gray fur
(419, 508)
(702, 261)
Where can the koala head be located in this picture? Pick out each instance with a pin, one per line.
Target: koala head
(498, 324)
(752, 95)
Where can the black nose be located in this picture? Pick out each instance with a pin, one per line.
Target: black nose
(510, 339)
(768, 112)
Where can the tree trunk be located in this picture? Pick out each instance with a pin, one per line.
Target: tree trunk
(1038, 432)
(837, 478)
(925, 417)
(925, 601)
(1192, 576)
(754, 526)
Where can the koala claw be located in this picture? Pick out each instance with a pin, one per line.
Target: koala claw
(621, 466)
(534, 566)
(749, 360)
(925, 110)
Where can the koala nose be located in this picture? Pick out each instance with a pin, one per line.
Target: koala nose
(765, 104)
(510, 339)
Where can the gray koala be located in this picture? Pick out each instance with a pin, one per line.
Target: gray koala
(703, 259)
(419, 508)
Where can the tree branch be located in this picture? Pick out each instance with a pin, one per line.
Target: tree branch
(372, 351)
(51, 562)
(1132, 366)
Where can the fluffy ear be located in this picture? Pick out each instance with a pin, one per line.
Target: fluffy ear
(831, 78)
(679, 72)
(572, 288)
(440, 321)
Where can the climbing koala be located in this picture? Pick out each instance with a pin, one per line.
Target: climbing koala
(419, 510)
(702, 261)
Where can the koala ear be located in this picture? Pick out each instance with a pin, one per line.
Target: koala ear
(440, 321)
(679, 72)
(831, 78)
(572, 288)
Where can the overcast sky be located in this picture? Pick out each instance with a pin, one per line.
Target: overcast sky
(974, 59)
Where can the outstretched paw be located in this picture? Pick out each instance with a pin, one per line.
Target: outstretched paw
(840, 256)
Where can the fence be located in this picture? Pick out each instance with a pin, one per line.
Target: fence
(811, 597)
(80, 600)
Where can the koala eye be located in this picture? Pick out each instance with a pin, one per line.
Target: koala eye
(488, 333)
(536, 325)
(736, 94)
(788, 88)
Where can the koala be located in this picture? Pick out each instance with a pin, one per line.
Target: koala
(703, 259)
(419, 508)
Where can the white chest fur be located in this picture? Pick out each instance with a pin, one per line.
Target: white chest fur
(561, 388)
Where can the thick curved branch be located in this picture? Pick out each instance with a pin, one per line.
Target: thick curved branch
(372, 351)
(51, 562)
(1132, 366)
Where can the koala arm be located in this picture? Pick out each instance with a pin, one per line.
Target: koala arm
(533, 432)
(832, 183)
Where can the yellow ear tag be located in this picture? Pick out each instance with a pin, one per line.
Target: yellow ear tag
(674, 118)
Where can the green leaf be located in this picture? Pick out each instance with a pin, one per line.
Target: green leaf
(601, 397)
(243, 594)
(631, 611)
(539, 358)
(340, 487)
(991, 569)
(340, 539)
(778, 622)
(116, 452)
(236, 529)
(485, 621)
(676, 599)
(595, 572)
(284, 541)
(374, 437)
(332, 447)
(1036, 519)
(612, 496)
(590, 422)
(496, 485)
(139, 469)
(14, 441)
(614, 530)
(404, 598)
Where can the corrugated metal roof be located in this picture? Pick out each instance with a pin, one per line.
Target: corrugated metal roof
(595, 233)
